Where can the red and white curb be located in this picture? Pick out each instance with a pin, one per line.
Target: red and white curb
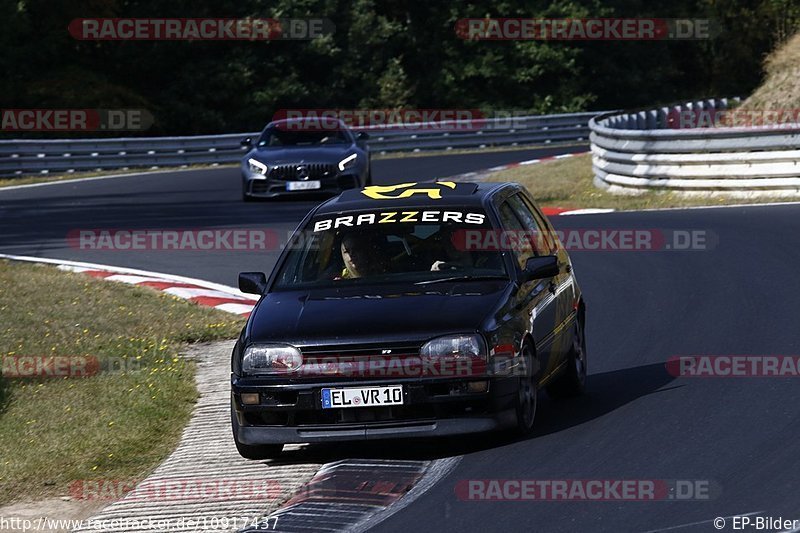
(481, 175)
(198, 291)
(553, 211)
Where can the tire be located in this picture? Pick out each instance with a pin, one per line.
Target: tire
(255, 452)
(572, 381)
(527, 398)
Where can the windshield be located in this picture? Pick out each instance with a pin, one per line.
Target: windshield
(387, 247)
(285, 136)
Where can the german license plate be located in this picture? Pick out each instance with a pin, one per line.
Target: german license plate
(362, 397)
(303, 185)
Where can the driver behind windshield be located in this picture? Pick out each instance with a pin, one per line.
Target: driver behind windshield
(289, 135)
(361, 255)
(394, 252)
(445, 256)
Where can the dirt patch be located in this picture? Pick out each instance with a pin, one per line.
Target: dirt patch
(25, 516)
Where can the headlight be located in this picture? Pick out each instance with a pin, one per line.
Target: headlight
(455, 346)
(348, 162)
(271, 359)
(257, 168)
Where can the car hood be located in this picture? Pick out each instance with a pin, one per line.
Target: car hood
(318, 154)
(351, 316)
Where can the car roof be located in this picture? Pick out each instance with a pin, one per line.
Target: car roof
(425, 195)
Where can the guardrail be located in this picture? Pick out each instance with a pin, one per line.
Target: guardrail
(644, 150)
(20, 157)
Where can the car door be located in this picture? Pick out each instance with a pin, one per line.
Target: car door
(562, 286)
(535, 300)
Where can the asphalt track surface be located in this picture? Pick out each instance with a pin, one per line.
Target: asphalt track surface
(36, 221)
(738, 297)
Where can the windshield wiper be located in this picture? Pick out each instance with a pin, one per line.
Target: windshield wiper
(460, 278)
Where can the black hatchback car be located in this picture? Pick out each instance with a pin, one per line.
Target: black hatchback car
(296, 157)
(410, 310)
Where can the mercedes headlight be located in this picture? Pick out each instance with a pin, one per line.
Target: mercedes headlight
(455, 346)
(257, 168)
(271, 359)
(348, 162)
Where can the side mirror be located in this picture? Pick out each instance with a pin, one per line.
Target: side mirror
(252, 282)
(362, 136)
(545, 266)
(247, 142)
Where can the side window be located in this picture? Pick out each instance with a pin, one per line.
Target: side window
(520, 246)
(542, 239)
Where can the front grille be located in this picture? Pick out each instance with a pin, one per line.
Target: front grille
(365, 415)
(315, 171)
(361, 362)
(260, 187)
(362, 351)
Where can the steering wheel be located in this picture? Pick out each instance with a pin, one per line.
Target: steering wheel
(440, 266)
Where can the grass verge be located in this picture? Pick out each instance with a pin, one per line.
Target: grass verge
(568, 183)
(117, 424)
(779, 92)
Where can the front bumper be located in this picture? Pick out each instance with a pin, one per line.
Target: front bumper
(292, 413)
(270, 188)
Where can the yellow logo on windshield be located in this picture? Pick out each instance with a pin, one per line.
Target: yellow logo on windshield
(378, 192)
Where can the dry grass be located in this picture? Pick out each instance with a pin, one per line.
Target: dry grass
(116, 424)
(780, 89)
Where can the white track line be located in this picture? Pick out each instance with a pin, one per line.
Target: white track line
(726, 206)
(188, 293)
(96, 178)
(700, 522)
(237, 309)
(588, 211)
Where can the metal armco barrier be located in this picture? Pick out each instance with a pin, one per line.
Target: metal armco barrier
(20, 157)
(660, 150)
